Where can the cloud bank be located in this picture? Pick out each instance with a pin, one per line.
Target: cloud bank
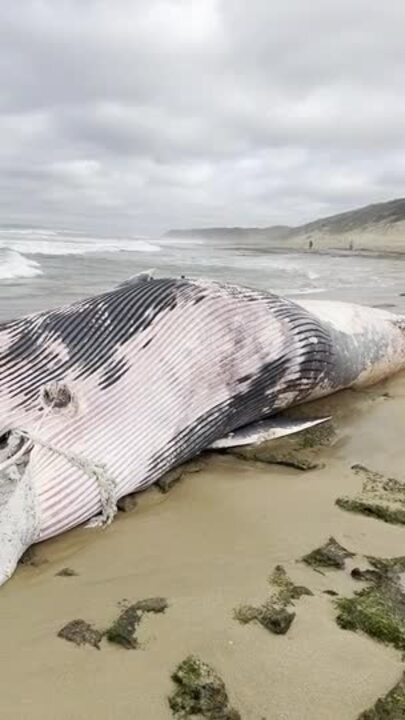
(140, 115)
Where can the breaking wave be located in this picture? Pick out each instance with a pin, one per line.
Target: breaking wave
(50, 242)
(14, 265)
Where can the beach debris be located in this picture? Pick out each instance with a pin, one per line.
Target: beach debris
(81, 632)
(329, 555)
(123, 629)
(66, 572)
(378, 609)
(381, 497)
(390, 707)
(171, 478)
(200, 692)
(274, 614)
(127, 503)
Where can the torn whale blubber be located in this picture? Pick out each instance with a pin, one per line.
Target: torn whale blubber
(101, 398)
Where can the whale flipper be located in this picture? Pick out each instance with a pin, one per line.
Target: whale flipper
(270, 429)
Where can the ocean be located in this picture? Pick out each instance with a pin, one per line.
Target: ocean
(43, 268)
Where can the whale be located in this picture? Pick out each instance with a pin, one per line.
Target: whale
(101, 398)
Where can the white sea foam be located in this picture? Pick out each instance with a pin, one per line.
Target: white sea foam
(182, 241)
(14, 265)
(34, 241)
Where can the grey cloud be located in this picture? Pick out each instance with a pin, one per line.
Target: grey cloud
(136, 116)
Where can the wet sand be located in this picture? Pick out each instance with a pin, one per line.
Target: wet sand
(207, 546)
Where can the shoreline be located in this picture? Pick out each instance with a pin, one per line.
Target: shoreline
(253, 248)
(336, 252)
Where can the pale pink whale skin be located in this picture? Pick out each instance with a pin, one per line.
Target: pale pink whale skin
(184, 365)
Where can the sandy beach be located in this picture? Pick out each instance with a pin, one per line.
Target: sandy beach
(207, 546)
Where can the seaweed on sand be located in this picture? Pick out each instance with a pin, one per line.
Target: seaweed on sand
(274, 614)
(200, 691)
(390, 707)
(382, 498)
(122, 631)
(81, 632)
(378, 609)
(300, 450)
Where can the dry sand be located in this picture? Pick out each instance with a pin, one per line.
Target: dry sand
(207, 546)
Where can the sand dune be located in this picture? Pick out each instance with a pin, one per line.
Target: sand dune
(378, 228)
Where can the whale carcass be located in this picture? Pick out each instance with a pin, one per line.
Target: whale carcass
(101, 398)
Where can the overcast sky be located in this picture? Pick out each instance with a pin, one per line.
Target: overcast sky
(135, 116)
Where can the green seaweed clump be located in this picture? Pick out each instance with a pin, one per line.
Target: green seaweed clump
(297, 459)
(200, 691)
(383, 569)
(286, 589)
(122, 631)
(332, 554)
(377, 484)
(389, 567)
(378, 610)
(276, 619)
(300, 451)
(155, 605)
(246, 614)
(396, 516)
(390, 707)
(366, 575)
(80, 632)
(381, 498)
(273, 613)
(318, 436)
